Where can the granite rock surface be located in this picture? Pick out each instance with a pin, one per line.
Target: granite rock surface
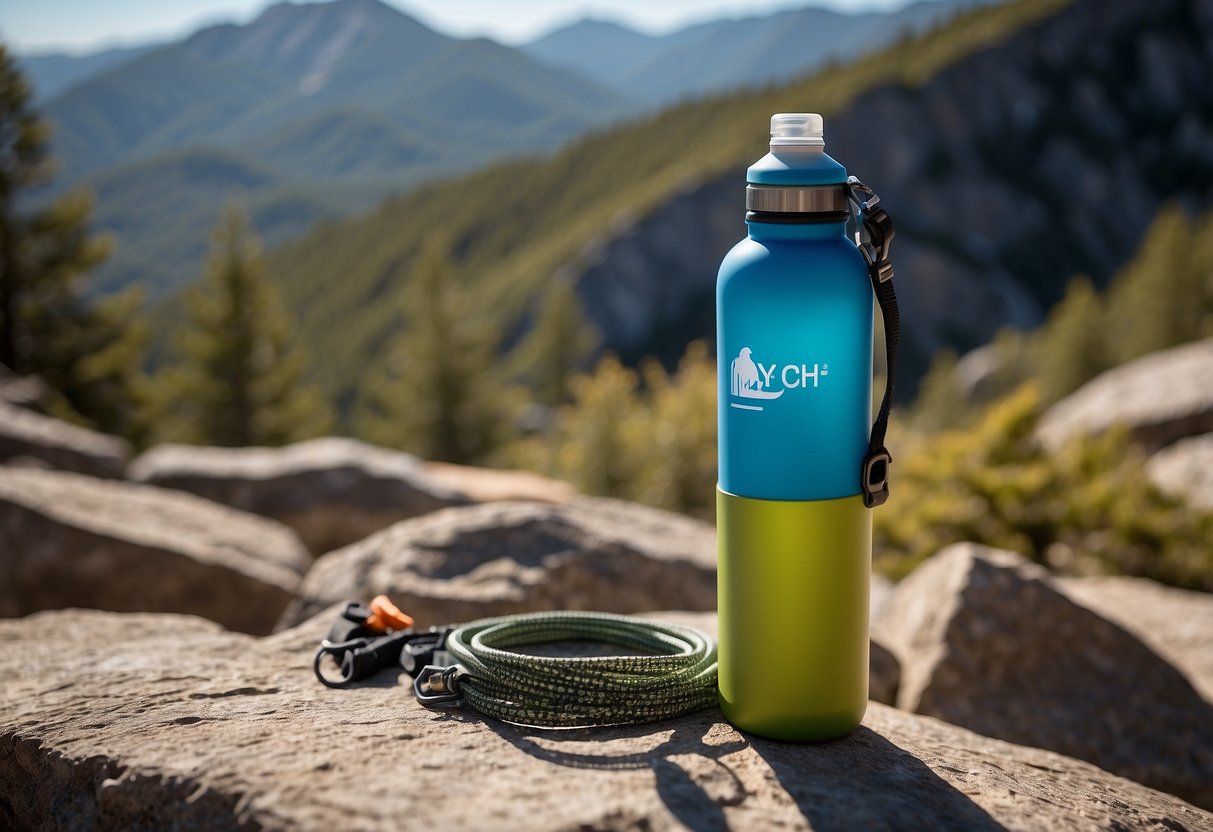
(34, 439)
(1177, 624)
(1161, 398)
(69, 540)
(1185, 469)
(331, 491)
(502, 558)
(987, 641)
(111, 721)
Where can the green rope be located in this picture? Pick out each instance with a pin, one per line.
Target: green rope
(676, 675)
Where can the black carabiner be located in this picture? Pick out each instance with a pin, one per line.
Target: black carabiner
(340, 651)
(361, 657)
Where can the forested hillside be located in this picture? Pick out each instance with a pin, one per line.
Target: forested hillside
(1041, 157)
(310, 110)
(958, 123)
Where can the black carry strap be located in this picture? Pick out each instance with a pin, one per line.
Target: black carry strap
(873, 236)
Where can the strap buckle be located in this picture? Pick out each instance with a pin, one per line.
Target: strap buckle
(875, 232)
(436, 686)
(425, 649)
(876, 477)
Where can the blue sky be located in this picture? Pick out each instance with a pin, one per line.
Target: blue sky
(81, 25)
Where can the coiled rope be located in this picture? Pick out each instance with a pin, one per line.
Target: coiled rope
(676, 675)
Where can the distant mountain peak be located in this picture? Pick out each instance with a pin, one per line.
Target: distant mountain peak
(305, 43)
(602, 23)
(602, 49)
(286, 6)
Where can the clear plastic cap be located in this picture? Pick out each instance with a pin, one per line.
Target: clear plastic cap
(804, 129)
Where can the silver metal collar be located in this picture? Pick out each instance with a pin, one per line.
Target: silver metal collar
(813, 199)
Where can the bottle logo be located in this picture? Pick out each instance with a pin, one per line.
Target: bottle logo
(752, 380)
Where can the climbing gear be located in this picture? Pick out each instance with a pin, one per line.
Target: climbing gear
(676, 675)
(873, 236)
(366, 639)
(387, 616)
(475, 666)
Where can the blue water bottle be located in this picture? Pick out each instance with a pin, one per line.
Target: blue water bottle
(800, 461)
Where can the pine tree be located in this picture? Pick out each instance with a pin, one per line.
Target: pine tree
(599, 432)
(88, 352)
(558, 345)
(1164, 296)
(941, 401)
(679, 446)
(1073, 346)
(237, 378)
(437, 392)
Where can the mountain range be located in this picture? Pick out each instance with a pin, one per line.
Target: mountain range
(52, 72)
(728, 54)
(308, 111)
(1016, 147)
(315, 111)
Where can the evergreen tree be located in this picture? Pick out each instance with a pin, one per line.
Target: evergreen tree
(558, 344)
(941, 401)
(1164, 296)
(648, 436)
(600, 430)
(1073, 346)
(89, 353)
(679, 445)
(237, 376)
(437, 392)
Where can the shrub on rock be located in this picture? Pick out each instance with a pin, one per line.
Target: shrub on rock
(1085, 508)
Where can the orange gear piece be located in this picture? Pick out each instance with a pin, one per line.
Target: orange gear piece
(386, 616)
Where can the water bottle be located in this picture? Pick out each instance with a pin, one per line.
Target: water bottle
(800, 463)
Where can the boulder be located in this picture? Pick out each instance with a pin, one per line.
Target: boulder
(487, 485)
(331, 491)
(881, 591)
(499, 558)
(25, 391)
(1177, 624)
(71, 540)
(883, 668)
(29, 438)
(986, 641)
(112, 721)
(1160, 398)
(1185, 469)
(977, 372)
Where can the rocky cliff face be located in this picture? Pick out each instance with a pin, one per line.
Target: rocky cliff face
(1030, 162)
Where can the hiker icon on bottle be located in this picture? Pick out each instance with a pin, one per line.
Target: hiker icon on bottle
(747, 380)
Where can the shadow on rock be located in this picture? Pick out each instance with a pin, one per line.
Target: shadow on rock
(691, 779)
(861, 781)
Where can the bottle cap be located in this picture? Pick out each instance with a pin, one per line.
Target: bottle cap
(805, 129)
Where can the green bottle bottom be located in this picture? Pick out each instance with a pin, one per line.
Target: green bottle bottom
(793, 587)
